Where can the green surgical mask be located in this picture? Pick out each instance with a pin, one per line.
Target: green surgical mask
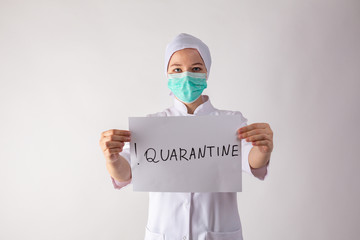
(187, 86)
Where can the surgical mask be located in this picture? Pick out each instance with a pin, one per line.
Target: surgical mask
(187, 86)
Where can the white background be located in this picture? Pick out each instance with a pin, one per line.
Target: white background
(72, 69)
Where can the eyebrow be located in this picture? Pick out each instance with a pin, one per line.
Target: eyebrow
(175, 64)
(178, 64)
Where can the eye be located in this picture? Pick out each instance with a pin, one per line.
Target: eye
(196, 69)
(176, 70)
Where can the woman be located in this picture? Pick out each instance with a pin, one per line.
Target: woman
(196, 216)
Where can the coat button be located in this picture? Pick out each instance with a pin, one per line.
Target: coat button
(184, 238)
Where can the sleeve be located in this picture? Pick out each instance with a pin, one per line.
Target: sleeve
(246, 147)
(126, 154)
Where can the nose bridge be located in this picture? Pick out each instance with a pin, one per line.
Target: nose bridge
(186, 72)
(188, 68)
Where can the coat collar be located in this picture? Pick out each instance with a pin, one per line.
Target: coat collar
(204, 108)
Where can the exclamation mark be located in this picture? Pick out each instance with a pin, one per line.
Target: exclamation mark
(136, 152)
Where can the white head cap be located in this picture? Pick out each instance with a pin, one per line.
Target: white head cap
(184, 40)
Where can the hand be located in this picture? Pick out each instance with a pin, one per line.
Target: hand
(113, 141)
(260, 134)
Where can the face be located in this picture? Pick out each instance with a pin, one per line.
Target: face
(186, 60)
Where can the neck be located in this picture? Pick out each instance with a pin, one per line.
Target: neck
(192, 106)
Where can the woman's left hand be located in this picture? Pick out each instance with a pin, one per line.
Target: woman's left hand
(260, 134)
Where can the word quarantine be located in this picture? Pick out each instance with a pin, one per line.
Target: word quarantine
(180, 154)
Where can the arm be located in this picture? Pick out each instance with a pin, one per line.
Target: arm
(261, 136)
(112, 143)
(118, 168)
(258, 159)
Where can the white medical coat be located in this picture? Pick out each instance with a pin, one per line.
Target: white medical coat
(195, 216)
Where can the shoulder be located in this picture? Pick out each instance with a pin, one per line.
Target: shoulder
(227, 112)
(230, 112)
(163, 113)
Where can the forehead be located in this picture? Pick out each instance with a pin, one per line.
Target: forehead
(186, 54)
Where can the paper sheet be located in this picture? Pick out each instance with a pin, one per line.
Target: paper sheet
(186, 153)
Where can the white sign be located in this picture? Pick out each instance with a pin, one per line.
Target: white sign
(186, 153)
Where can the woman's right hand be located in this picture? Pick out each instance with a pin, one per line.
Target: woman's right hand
(112, 143)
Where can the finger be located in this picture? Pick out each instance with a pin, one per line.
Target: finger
(116, 132)
(113, 144)
(253, 132)
(117, 138)
(114, 138)
(110, 151)
(262, 143)
(252, 127)
(258, 137)
(110, 144)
